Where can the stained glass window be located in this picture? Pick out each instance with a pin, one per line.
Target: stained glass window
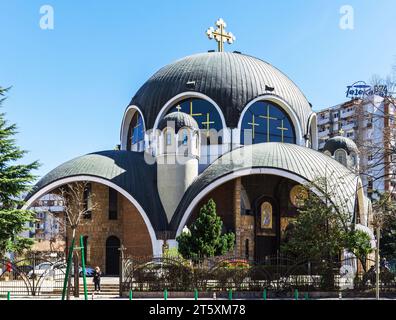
(135, 133)
(205, 113)
(268, 123)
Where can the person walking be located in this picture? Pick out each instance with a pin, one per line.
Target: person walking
(96, 278)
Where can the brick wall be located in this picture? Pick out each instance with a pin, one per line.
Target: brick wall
(129, 228)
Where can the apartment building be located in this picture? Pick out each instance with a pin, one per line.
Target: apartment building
(369, 122)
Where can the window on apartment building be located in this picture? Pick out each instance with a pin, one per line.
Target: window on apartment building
(88, 201)
(113, 204)
(350, 134)
(370, 157)
(335, 115)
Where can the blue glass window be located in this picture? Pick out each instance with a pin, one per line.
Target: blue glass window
(135, 133)
(268, 123)
(202, 111)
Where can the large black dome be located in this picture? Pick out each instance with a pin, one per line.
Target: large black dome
(230, 79)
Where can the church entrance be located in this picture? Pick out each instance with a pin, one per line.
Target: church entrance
(113, 256)
(266, 227)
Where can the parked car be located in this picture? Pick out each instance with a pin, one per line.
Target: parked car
(89, 272)
(50, 269)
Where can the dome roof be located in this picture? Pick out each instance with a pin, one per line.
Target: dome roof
(178, 120)
(340, 142)
(230, 79)
(307, 163)
(125, 169)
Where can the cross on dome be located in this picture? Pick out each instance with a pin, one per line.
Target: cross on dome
(220, 35)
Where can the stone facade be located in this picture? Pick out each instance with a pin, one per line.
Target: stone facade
(129, 228)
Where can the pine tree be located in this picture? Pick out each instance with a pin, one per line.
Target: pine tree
(15, 180)
(205, 238)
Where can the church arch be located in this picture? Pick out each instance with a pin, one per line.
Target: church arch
(283, 106)
(313, 131)
(230, 176)
(112, 256)
(211, 119)
(155, 243)
(132, 113)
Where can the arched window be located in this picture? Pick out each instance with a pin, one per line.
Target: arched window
(184, 136)
(266, 122)
(135, 139)
(205, 113)
(341, 156)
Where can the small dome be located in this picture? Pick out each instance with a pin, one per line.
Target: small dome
(180, 120)
(340, 142)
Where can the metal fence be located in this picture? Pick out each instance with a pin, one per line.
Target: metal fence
(35, 274)
(278, 274)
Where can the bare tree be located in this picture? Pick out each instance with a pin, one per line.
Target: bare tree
(78, 203)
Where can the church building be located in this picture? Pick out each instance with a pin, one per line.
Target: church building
(216, 125)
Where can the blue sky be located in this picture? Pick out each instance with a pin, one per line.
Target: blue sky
(72, 84)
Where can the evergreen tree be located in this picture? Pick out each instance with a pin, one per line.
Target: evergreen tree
(15, 180)
(205, 238)
(388, 241)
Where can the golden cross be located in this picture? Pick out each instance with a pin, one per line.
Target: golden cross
(220, 35)
(178, 108)
(283, 129)
(207, 123)
(341, 132)
(191, 111)
(268, 117)
(253, 124)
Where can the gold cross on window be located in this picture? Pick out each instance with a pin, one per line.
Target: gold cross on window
(207, 123)
(191, 111)
(268, 117)
(283, 129)
(220, 35)
(178, 108)
(253, 124)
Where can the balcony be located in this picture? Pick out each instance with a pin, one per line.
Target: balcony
(346, 114)
(348, 126)
(323, 120)
(324, 133)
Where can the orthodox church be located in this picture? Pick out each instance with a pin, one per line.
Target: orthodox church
(216, 125)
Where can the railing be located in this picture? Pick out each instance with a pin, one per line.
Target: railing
(279, 274)
(35, 274)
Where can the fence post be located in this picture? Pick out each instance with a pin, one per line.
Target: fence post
(121, 283)
(295, 294)
(83, 267)
(8, 295)
(306, 297)
(229, 294)
(69, 258)
(130, 294)
(166, 294)
(196, 294)
(265, 294)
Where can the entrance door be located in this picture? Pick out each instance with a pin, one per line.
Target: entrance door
(267, 228)
(113, 256)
